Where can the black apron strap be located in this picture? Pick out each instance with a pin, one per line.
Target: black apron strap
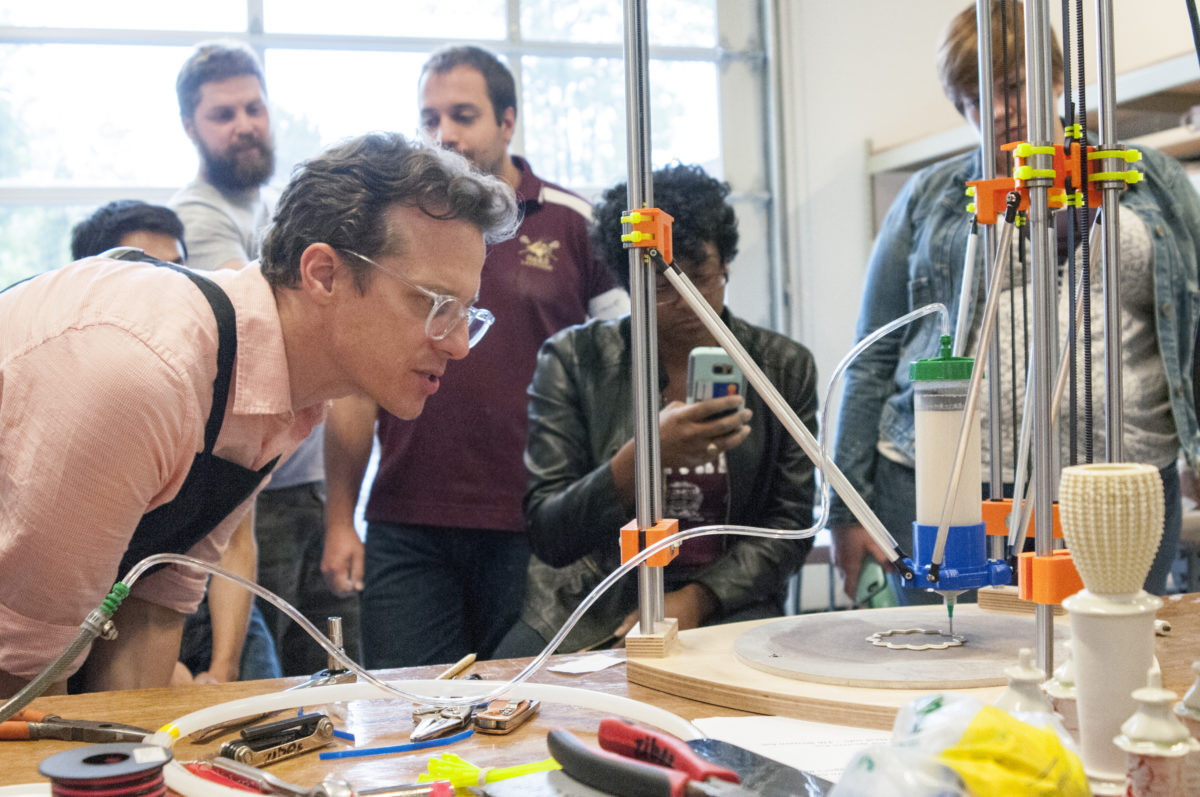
(213, 487)
(226, 335)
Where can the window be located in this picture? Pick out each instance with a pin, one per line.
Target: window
(88, 110)
(574, 117)
(211, 15)
(90, 114)
(672, 22)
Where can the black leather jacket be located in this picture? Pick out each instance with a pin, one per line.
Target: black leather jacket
(580, 414)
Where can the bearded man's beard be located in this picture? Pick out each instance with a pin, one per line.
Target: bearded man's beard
(247, 165)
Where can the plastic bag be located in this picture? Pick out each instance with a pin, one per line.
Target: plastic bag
(890, 771)
(955, 746)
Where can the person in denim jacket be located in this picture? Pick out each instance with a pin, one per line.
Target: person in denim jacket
(917, 259)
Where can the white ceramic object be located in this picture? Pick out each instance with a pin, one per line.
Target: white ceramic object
(1024, 690)
(1154, 729)
(1188, 711)
(1190, 705)
(1155, 743)
(1061, 691)
(1113, 647)
(1112, 517)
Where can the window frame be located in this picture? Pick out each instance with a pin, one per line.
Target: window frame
(741, 58)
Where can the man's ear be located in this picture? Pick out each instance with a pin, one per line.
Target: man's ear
(319, 267)
(189, 127)
(508, 122)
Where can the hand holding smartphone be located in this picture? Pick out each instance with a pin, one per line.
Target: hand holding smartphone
(712, 373)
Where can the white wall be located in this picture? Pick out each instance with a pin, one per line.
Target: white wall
(853, 71)
(859, 78)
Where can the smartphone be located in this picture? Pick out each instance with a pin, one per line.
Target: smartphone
(712, 373)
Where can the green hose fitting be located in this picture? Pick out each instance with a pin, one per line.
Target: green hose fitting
(113, 600)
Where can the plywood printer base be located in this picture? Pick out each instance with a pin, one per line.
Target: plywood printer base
(823, 669)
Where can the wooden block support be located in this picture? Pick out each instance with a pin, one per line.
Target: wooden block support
(1007, 600)
(652, 646)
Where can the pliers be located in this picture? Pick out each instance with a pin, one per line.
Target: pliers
(671, 768)
(435, 721)
(32, 724)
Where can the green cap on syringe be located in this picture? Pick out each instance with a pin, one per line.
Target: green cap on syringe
(944, 368)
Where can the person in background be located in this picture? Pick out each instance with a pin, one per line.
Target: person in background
(225, 209)
(917, 259)
(725, 460)
(443, 568)
(125, 433)
(154, 229)
(223, 106)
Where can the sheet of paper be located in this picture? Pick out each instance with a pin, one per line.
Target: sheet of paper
(592, 663)
(815, 747)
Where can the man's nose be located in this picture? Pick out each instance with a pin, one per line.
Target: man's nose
(1015, 105)
(447, 134)
(457, 343)
(243, 124)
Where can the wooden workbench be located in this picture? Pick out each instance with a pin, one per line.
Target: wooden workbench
(374, 723)
(387, 722)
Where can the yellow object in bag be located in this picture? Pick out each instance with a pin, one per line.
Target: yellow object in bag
(998, 755)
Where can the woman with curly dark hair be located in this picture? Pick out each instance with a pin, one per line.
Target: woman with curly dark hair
(725, 460)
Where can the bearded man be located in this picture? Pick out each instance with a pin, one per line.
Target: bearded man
(223, 107)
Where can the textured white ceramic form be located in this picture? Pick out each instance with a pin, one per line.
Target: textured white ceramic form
(1112, 517)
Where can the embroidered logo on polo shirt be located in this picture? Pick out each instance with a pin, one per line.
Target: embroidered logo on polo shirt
(538, 254)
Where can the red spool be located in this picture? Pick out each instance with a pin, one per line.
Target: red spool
(124, 769)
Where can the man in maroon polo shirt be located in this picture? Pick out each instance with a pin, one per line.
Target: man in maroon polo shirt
(442, 573)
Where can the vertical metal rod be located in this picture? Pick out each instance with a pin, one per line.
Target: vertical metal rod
(778, 278)
(644, 317)
(513, 37)
(1044, 278)
(987, 151)
(996, 548)
(1110, 242)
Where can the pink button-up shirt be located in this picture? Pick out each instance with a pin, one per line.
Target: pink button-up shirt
(106, 372)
